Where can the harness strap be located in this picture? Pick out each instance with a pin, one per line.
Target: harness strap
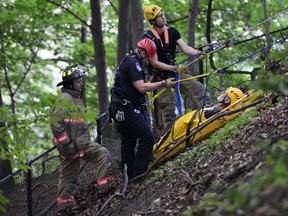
(166, 36)
(189, 128)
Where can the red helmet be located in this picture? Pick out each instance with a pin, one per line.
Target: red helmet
(148, 45)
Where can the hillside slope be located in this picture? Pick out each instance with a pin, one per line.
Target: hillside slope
(239, 170)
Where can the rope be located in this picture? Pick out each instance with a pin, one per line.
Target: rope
(260, 50)
(249, 29)
(223, 44)
(181, 80)
(222, 70)
(200, 112)
(178, 95)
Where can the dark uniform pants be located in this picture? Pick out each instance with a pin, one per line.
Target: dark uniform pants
(137, 139)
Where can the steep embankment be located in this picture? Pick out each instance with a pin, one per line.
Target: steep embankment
(240, 170)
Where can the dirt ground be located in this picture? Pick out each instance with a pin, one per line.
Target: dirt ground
(176, 189)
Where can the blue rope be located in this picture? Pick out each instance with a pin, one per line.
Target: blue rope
(178, 95)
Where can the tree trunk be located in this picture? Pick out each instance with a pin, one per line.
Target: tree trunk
(193, 11)
(208, 32)
(83, 39)
(123, 30)
(136, 20)
(5, 165)
(5, 168)
(267, 35)
(99, 57)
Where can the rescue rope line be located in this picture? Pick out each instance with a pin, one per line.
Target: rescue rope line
(225, 43)
(234, 63)
(249, 29)
(222, 70)
(204, 125)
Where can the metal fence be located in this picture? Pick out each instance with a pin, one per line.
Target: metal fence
(34, 192)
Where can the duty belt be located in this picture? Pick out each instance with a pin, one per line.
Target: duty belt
(125, 102)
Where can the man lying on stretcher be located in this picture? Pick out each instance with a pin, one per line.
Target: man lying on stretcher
(226, 98)
(183, 126)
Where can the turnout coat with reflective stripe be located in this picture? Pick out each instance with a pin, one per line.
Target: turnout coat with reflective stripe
(67, 124)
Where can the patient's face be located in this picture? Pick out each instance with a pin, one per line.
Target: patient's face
(222, 96)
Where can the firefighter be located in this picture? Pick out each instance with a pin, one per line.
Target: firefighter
(163, 65)
(128, 108)
(72, 139)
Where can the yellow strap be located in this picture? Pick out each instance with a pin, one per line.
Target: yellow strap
(181, 80)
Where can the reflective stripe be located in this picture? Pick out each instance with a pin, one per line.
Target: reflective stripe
(80, 154)
(76, 155)
(105, 181)
(62, 200)
(63, 138)
(69, 157)
(74, 121)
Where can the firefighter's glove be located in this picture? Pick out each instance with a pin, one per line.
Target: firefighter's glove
(201, 55)
(181, 69)
(170, 82)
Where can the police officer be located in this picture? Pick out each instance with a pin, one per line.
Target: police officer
(72, 139)
(163, 65)
(128, 108)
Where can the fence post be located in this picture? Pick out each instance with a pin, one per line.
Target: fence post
(29, 190)
(98, 122)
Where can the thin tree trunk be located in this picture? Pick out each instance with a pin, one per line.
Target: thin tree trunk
(123, 30)
(83, 39)
(267, 34)
(5, 165)
(99, 57)
(193, 11)
(136, 20)
(208, 31)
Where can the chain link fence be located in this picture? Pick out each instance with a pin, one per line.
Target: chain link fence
(34, 192)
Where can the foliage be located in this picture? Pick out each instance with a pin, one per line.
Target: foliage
(49, 37)
(243, 194)
(274, 83)
(39, 39)
(3, 201)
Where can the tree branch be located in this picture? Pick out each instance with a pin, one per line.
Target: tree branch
(115, 9)
(70, 12)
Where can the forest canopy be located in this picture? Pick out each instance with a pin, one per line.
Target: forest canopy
(39, 38)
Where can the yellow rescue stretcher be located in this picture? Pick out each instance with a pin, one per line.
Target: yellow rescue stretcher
(191, 120)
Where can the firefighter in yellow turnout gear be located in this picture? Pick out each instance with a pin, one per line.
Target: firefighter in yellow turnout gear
(72, 139)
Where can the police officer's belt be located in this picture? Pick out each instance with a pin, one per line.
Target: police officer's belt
(126, 102)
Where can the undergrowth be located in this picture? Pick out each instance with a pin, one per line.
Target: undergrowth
(247, 195)
(219, 138)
